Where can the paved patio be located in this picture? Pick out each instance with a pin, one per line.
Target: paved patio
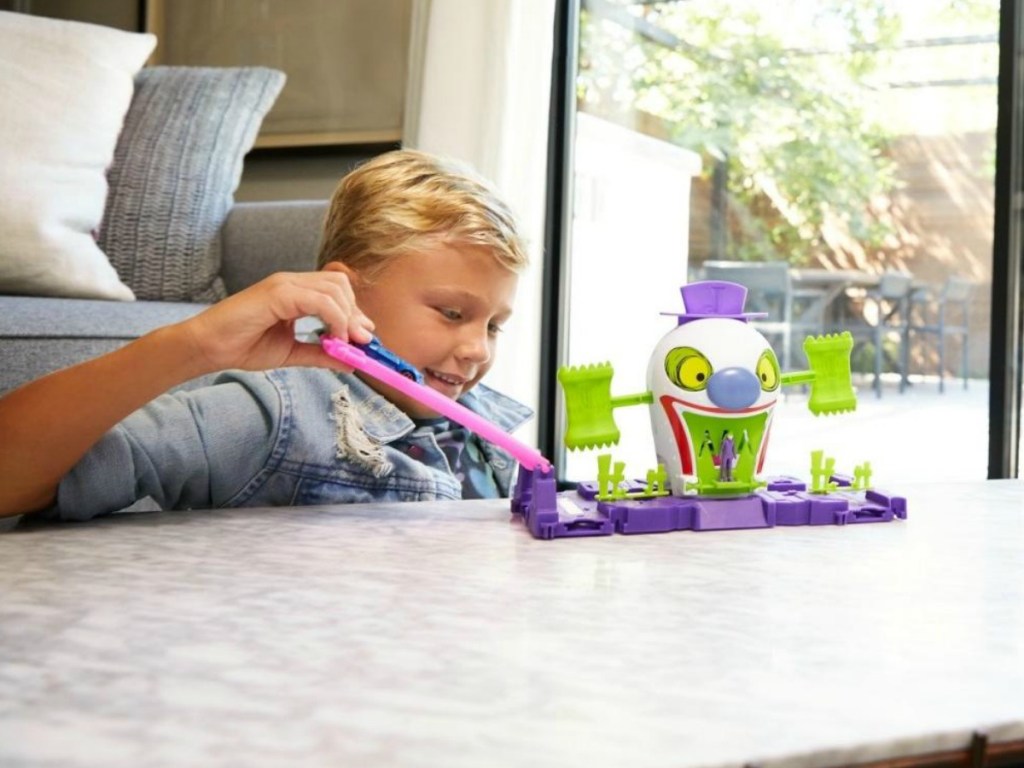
(919, 435)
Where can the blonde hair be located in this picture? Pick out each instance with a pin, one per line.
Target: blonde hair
(405, 200)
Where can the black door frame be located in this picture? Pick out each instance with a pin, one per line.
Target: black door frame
(1005, 357)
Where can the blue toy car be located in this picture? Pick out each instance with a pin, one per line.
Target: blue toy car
(377, 351)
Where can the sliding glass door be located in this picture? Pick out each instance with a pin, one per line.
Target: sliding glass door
(838, 160)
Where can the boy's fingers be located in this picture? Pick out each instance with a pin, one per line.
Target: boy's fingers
(336, 318)
(350, 326)
(342, 315)
(361, 332)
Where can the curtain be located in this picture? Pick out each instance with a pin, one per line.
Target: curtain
(479, 90)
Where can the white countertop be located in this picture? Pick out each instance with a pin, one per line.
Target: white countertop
(442, 634)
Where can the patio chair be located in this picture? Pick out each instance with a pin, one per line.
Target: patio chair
(792, 313)
(883, 317)
(941, 311)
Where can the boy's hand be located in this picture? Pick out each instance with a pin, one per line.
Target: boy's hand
(254, 329)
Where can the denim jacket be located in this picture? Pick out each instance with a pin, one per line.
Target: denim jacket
(292, 436)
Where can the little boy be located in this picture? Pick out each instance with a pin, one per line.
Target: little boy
(414, 250)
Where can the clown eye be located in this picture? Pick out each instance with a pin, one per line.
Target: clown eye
(688, 368)
(768, 371)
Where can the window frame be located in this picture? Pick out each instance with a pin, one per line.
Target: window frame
(1007, 312)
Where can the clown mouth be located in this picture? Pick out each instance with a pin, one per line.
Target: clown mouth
(724, 411)
(688, 421)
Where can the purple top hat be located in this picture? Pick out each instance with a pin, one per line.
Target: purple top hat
(714, 298)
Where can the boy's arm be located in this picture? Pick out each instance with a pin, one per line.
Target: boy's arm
(193, 449)
(49, 424)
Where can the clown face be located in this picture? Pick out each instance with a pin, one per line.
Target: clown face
(715, 383)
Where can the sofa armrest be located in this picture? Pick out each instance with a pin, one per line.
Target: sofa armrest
(259, 239)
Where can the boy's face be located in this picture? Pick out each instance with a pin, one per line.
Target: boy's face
(441, 309)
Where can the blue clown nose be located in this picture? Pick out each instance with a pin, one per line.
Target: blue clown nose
(734, 388)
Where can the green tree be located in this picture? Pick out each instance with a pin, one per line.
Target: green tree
(788, 127)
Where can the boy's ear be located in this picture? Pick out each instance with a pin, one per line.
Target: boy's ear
(337, 266)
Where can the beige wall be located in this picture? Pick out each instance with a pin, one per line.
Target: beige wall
(300, 173)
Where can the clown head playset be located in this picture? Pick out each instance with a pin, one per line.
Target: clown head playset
(712, 385)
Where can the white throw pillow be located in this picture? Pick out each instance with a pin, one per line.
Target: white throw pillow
(64, 92)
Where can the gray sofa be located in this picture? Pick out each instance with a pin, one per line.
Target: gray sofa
(40, 334)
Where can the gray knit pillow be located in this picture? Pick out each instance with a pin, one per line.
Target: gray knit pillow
(177, 164)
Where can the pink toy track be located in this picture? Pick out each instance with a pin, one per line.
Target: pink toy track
(528, 457)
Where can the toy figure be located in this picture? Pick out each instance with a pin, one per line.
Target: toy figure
(711, 375)
(726, 458)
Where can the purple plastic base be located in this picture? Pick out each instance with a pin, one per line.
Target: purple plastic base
(550, 514)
